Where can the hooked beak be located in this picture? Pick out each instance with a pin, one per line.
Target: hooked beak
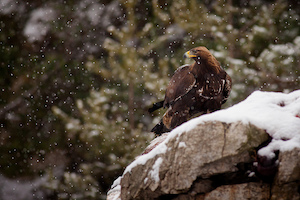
(188, 54)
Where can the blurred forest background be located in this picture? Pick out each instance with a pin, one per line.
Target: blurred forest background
(77, 78)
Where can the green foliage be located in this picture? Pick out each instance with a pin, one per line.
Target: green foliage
(74, 96)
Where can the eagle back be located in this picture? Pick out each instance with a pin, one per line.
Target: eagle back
(214, 86)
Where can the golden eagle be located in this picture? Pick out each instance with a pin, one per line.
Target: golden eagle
(194, 89)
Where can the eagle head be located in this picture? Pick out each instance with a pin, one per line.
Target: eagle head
(198, 53)
(202, 55)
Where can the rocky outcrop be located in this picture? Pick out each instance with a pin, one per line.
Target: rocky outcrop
(208, 150)
(213, 160)
(207, 159)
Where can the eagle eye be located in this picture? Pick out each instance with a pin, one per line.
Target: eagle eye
(195, 51)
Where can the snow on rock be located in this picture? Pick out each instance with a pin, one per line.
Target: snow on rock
(141, 160)
(212, 148)
(155, 170)
(155, 142)
(277, 113)
(182, 145)
(114, 192)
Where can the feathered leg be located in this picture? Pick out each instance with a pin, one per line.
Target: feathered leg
(160, 128)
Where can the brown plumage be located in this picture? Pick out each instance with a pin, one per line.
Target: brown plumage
(194, 89)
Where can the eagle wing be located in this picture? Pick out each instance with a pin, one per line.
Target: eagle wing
(227, 88)
(215, 86)
(181, 83)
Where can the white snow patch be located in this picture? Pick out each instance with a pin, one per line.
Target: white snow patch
(94, 13)
(154, 173)
(7, 6)
(145, 180)
(116, 188)
(284, 49)
(182, 145)
(93, 133)
(259, 30)
(141, 160)
(237, 62)
(218, 54)
(116, 182)
(38, 24)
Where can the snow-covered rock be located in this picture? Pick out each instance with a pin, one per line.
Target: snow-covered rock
(252, 146)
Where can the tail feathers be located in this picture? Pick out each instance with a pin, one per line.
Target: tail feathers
(156, 106)
(160, 128)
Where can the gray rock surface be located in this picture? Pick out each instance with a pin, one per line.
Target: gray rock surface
(195, 162)
(286, 184)
(257, 191)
